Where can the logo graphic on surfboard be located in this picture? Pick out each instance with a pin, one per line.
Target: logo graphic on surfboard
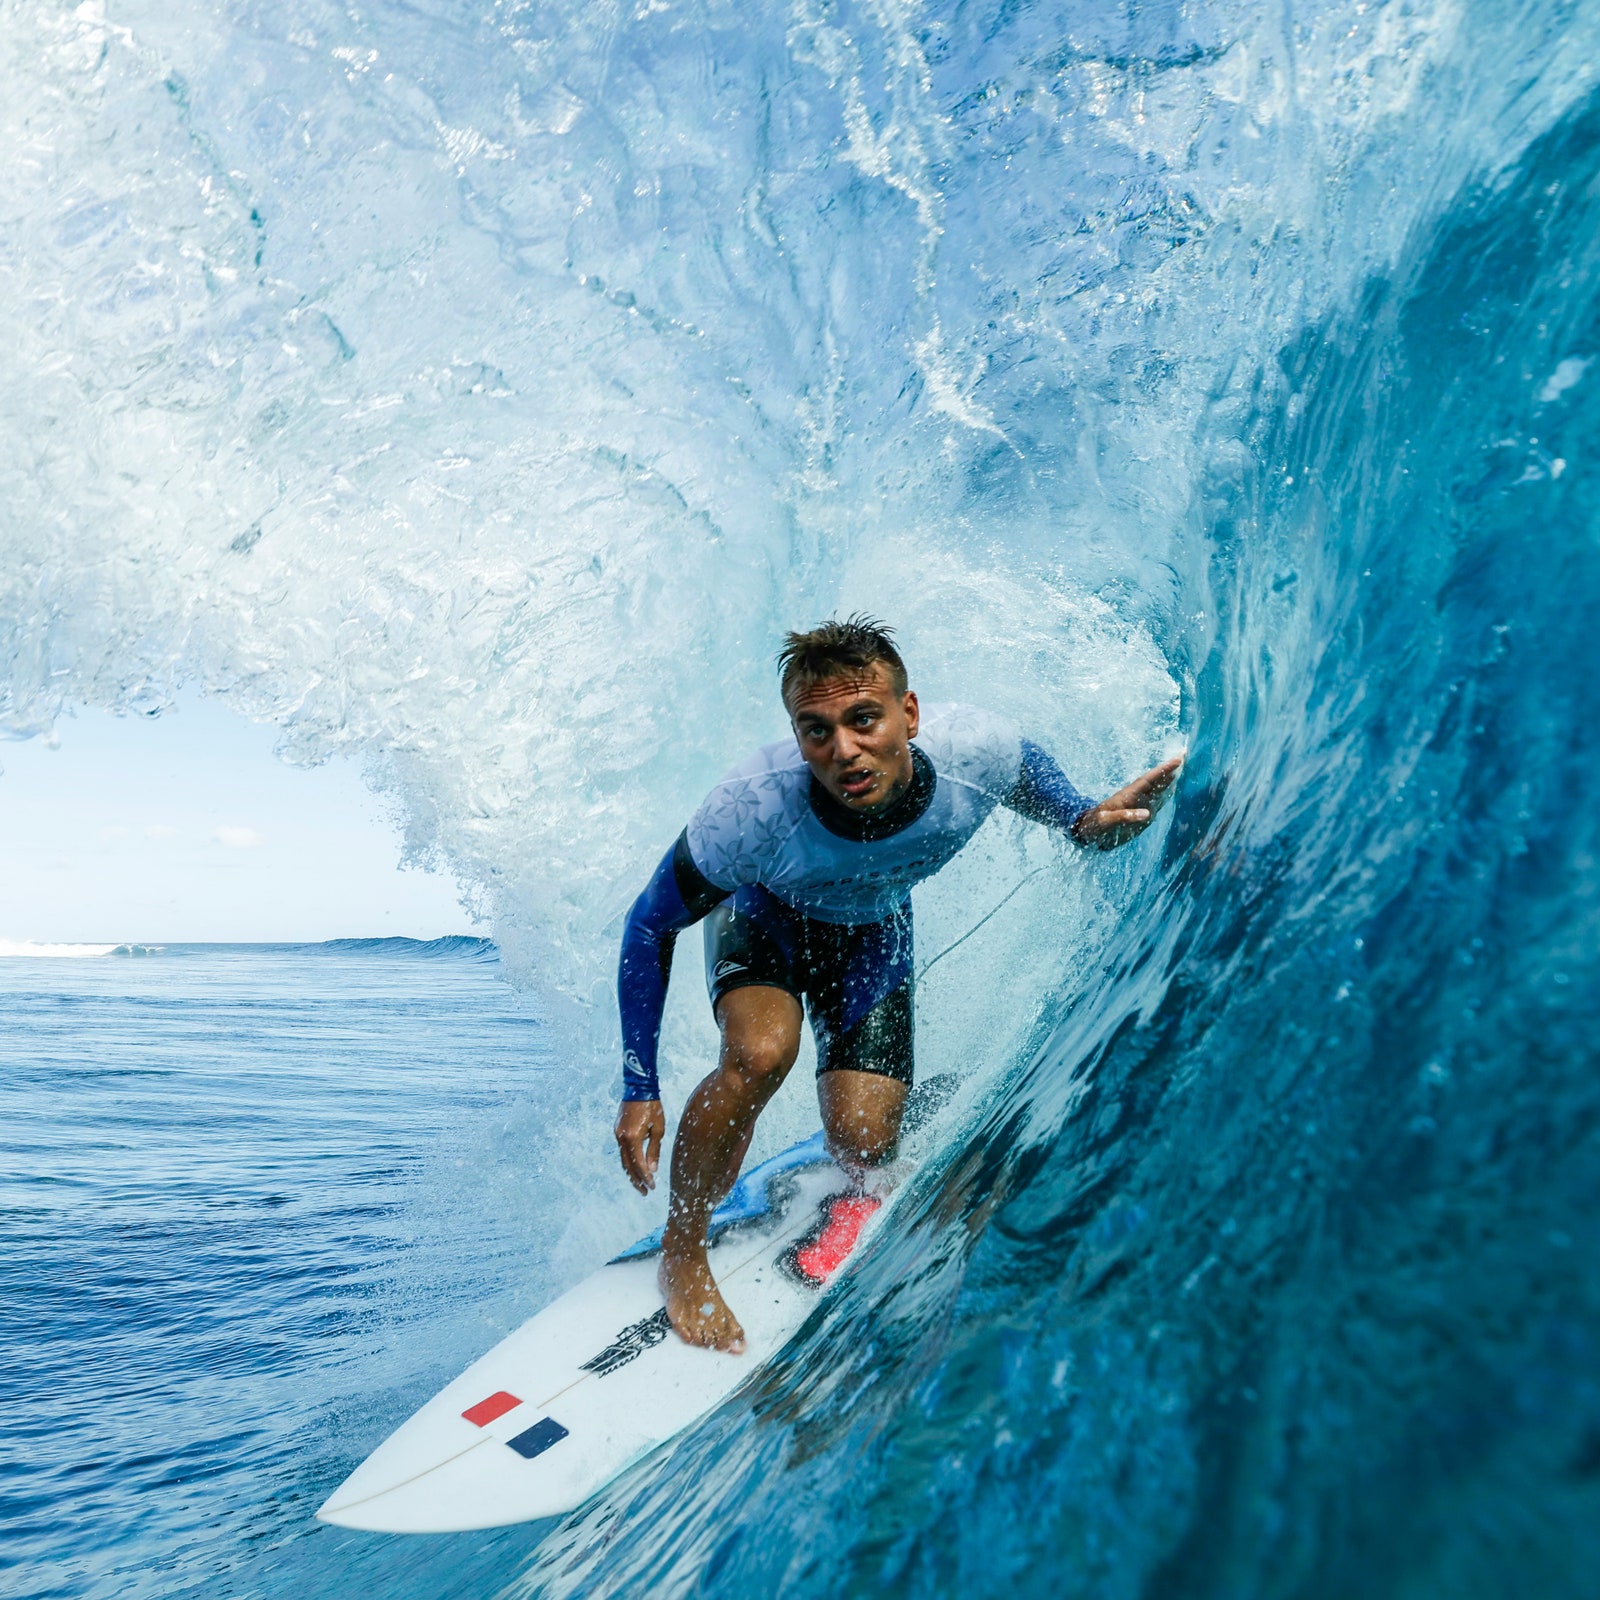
(633, 1341)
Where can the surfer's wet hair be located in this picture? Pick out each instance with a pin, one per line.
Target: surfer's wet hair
(837, 648)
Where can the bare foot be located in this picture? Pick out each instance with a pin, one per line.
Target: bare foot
(695, 1306)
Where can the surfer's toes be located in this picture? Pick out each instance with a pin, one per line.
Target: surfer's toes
(710, 1335)
(716, 1329)
(729, 1336)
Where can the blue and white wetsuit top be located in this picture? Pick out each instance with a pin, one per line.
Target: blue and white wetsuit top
(761, 824)
(769, 823)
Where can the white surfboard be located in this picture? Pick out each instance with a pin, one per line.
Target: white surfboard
(597, 1379)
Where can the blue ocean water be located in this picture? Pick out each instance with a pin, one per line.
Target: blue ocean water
(481, 393)
(218, 1280)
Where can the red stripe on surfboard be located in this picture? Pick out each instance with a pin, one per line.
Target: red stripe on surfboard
(482, 1414)
(823, 1256)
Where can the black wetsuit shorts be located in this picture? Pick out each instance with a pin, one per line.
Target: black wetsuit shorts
(855, 979)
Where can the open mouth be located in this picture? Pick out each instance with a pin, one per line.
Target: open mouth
(857, 783)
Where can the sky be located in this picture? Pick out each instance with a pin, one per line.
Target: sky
(187, 827)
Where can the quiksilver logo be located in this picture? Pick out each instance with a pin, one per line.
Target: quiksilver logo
(725, 969)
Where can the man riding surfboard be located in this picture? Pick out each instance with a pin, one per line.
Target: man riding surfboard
(802, 860)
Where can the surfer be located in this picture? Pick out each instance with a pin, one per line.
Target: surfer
(802, 861)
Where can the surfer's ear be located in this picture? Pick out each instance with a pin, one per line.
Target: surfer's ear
(913, 714)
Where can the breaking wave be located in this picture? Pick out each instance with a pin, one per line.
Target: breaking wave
(482, 394)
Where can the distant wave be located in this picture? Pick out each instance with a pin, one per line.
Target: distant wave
(455, 944)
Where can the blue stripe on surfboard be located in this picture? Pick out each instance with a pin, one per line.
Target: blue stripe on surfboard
(751, 1196)
(536, 1440)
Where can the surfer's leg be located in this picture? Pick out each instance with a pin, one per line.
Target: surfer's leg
(863, 1078)
(861, 1114)
(752, 941)
(860, 998)
(760, 1039)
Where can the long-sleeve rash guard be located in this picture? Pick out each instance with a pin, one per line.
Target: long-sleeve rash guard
(769, 822)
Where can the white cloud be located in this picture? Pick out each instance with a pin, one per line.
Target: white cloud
(237, 838)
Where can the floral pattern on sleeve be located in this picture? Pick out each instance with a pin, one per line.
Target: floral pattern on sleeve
(974, 746)
(737, 833)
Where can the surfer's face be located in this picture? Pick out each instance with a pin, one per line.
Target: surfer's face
(855, 732)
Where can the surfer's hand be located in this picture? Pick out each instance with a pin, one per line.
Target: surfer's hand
(641, 1126)
(1127, 813)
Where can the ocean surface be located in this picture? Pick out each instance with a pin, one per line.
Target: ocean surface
(245, 1227)
(480, 392)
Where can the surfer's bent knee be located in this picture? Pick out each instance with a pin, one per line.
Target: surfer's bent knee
(763, 1056)
(860, 1136)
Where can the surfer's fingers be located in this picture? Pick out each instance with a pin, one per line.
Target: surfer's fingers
(639, 1129)
(644, 1172)
(628, 1147)
(1152, 783)
(1148, 786)
(630, 1172)
(1107, 819)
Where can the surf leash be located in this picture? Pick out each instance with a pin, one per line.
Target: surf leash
(978, 924)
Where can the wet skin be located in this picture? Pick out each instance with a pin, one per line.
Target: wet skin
(855, 732)
(760, 1040)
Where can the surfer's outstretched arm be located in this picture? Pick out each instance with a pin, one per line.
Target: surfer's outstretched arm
(1043, 793)
(677, 896)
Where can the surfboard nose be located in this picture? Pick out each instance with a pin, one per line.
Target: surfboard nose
(474, 1490)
